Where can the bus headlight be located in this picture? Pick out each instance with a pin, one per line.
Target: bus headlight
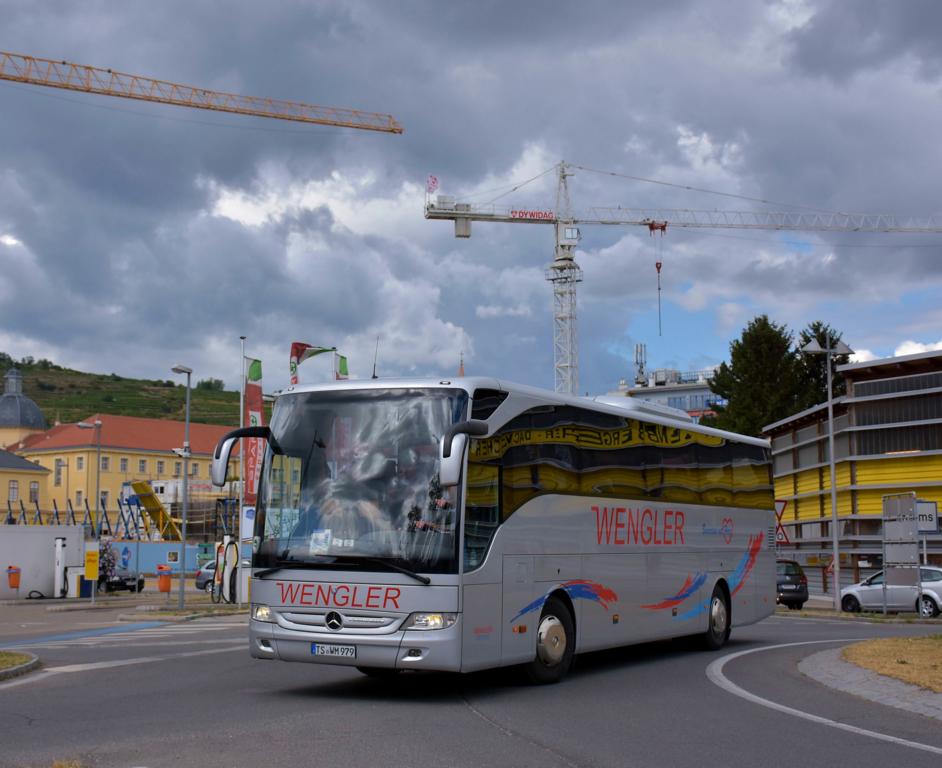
(430, 621)
(261, 613)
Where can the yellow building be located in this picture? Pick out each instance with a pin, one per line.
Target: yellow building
(887, 440)
(20, 417)
(130, 448)
(22, 486)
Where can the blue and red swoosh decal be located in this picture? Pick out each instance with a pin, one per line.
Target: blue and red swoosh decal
(577, 589)
(736, 581)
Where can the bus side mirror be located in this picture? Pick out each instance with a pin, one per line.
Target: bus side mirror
(451, 450)
(220, 468)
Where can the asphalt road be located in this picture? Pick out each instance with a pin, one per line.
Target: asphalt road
(188, 694)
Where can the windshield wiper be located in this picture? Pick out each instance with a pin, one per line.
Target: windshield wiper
(384, 563)
(295, 563)
(290, 562)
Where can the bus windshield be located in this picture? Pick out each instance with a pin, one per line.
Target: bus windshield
(350, 480)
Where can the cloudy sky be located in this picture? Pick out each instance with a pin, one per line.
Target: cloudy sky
(134, 236)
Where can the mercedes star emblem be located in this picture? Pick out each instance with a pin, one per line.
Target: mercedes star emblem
(334, 621)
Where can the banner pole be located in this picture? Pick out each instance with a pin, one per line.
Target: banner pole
(241, 479)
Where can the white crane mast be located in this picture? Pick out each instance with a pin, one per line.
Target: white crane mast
(564, 273)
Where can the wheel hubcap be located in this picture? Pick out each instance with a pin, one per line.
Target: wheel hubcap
(551, 641)
(718, 616)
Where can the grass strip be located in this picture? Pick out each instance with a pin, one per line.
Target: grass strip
(8, 659)
(913, 660)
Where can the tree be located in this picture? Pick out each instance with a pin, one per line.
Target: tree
(761, 383)
(812, 368)
(215, 385)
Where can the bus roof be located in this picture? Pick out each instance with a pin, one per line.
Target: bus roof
(638, 409)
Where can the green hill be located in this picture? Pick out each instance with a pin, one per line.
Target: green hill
(68, 396)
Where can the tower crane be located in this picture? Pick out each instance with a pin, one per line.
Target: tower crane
(78, 77)
(564, 273)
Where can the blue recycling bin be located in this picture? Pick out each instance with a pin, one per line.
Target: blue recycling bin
(85, 587)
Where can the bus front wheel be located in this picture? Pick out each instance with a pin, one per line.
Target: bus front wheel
(555, 644)
(718, 620)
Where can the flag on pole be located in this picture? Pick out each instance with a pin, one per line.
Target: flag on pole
(301, 352)
(340, 367)
(431, 183)
(254, 416)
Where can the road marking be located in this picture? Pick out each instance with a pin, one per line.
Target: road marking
(80, 634)
(715, 673)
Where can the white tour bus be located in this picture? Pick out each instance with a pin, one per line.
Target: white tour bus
(465, 524)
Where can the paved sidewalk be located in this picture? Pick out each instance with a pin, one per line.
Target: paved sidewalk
(828, 668)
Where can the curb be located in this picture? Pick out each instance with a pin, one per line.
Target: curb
(868, 618)
(184, 617)
(22, 669)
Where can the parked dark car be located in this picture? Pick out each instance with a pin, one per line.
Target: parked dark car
(792, 584)
(205, 576)
(122, 579)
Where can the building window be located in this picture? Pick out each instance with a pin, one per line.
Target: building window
(105, 463)
(142, 466)
(195, 469)
(34, 492)
(13, 494)
(78, 498)
(57, 475)
(80, 463)
(160, 468)
(177, 468)
(104, 499)
(123, 464)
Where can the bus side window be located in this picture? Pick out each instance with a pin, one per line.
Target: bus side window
(482, 512)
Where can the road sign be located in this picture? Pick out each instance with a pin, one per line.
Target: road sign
(91, 565)
(927, 516)
(781, 537)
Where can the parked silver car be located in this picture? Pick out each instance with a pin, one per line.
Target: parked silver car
(868, 594)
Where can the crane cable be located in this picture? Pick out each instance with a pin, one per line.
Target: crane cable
(658, 226)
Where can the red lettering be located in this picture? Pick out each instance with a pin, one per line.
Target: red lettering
(323, 595)
(603, 523)
(646, 527)
(657, 516)
(306, 594)
(619, 524)
(354, 603)
(668, 526)
(372, 597)
(633, 516)
(392, 596)
(289, 592)
(679, 519)
(341, 602)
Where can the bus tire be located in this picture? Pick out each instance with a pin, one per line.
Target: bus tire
(555, 644)
(718, 620)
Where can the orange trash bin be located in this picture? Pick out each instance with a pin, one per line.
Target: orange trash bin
(13, 577)
(163, 578)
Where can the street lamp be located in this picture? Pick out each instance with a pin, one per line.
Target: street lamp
(97, 521)
(185, 453)
(838, 348)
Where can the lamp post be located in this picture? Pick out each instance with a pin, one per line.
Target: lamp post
(832, 348)
(186, 474)
(97, 521)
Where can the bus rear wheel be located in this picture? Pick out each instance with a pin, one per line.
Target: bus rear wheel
(718, 623)
(555, 644)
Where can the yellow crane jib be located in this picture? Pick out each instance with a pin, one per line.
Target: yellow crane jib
(20, 68)
(156, 513)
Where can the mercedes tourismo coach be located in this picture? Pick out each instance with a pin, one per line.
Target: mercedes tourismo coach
(458, 525)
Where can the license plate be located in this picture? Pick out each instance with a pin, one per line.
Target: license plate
(788, 586)
(328, 649)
